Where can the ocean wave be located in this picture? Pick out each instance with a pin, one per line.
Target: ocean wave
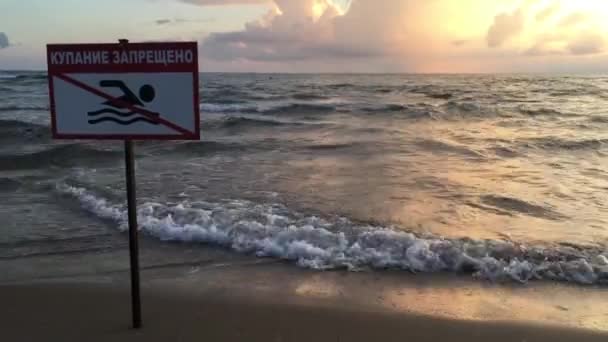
(440, 96)
(204, 147)
(383, 90)
(240, 97)
(555, 143)
(276, 108)
(539, 111)
(15, 108)
(390, 107)
(435, 145)
(337, 146)
(57, 155)
(341, 85)
(31, 77)
(317, 243)
(449, 110)
(299, 108)
(432, 91)
(502, 205)
(241, 122)
(598, 119)
(9, 125)
(464, 108)
(505, 151)
(226, 91)
(266, 97)
(9, 184)
(308, 96)
(407, 111)
(227, 108)
(20, 77)
(19, 130)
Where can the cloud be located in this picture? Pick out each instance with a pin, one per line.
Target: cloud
(4, 43)
(505, 26)
(587, 44)
(226, 2)
(577, 43)
(573, 19)
(167, 21)
(459, 42)
(547, 12)
(402, 35)
(311, 29)
(543, 49)
(571, 33)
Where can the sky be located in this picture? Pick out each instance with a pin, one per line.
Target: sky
(378, 36)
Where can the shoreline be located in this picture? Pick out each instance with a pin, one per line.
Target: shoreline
(95, 312)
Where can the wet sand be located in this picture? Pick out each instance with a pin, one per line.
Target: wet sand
(277, 303)
(60, 312)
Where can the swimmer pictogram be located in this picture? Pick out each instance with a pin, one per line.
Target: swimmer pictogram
(113, 113)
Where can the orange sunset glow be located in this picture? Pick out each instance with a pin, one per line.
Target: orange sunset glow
(437, 36)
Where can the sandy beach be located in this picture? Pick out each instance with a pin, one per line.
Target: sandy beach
(272, 303)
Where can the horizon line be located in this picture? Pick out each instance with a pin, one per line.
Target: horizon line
(372, 73)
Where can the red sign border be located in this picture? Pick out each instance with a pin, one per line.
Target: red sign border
(149, 69)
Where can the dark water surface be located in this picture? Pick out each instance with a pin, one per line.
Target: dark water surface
(503, 177)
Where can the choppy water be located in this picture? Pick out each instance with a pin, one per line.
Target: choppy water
(502, 177)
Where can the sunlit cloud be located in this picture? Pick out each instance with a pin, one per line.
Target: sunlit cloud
(307, 29)
(441, 35)
(505, 26)
(312, 29)
(412, 35)
(226, 2)
(547, 12)
(540, 28)
(588, 43)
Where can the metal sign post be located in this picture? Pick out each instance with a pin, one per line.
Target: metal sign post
(133, 240)
(132, 218)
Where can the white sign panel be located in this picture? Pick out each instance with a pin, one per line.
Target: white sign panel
(124, 91)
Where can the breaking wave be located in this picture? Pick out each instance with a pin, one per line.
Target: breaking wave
(317, 243)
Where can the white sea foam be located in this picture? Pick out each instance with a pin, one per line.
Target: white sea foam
(226, 108)
(282, 107)
(313, 242)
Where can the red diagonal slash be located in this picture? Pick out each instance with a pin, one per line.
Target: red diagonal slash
(148, 114)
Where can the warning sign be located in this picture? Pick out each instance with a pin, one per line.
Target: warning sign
(124, 91)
